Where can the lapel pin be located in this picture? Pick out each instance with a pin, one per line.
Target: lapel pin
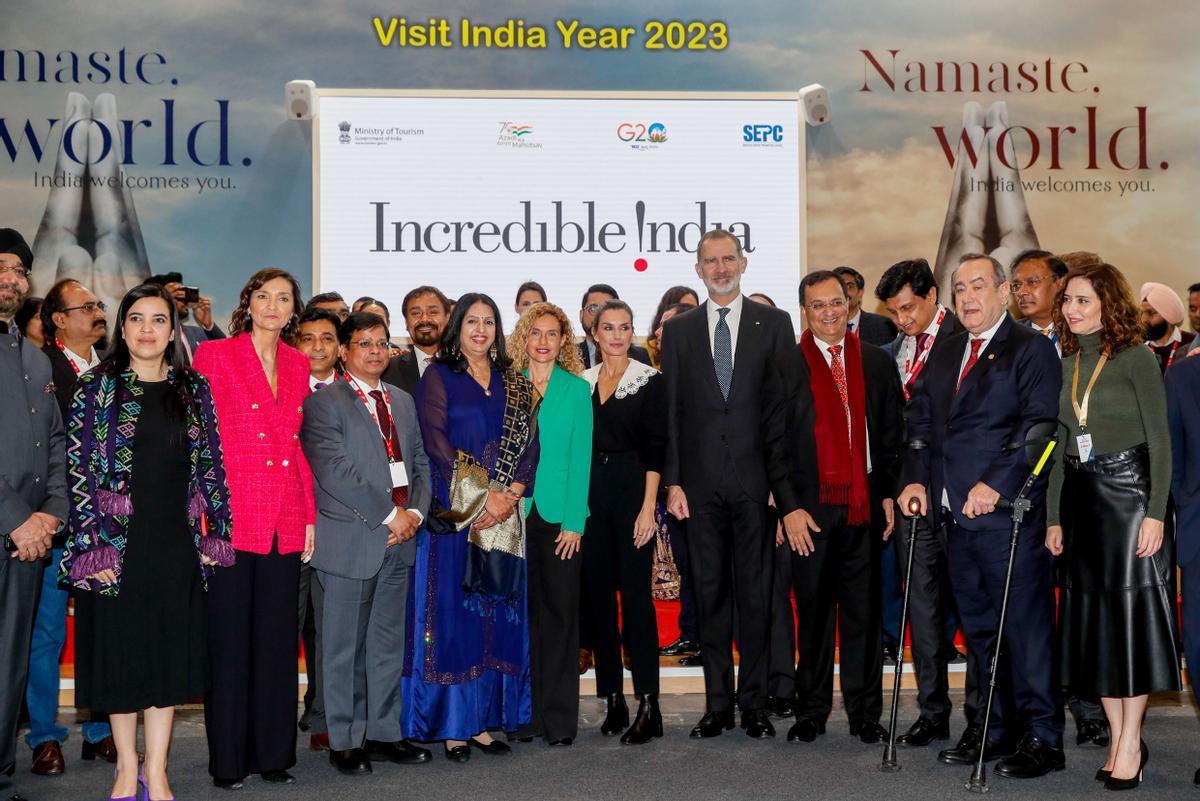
(991, 356)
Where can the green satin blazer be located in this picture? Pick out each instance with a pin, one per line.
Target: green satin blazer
(564, 471)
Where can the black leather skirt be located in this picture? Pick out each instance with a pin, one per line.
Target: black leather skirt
(1119, 633)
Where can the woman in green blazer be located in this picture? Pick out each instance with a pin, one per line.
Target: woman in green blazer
(543, 346)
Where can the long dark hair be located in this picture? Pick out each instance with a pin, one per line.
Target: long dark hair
(241, 322)
(117, 361)
(450, 352)
(672, 297)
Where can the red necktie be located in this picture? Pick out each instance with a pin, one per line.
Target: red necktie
(839, 380)
(388, 430)
(922, 338)
(976, 344)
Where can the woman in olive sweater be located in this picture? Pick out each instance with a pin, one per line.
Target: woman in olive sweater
(544, 348)
(1106, 508)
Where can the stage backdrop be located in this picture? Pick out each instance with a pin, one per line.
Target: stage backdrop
(482, 193)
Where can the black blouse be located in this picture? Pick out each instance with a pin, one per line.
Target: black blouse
(634, 416)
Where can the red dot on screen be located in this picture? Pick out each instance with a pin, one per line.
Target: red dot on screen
(640, 265)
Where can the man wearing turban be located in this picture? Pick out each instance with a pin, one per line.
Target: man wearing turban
(1162, 314)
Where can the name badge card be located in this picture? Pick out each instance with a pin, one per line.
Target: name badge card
(399, 474)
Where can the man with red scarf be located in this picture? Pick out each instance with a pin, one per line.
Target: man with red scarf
(833, 431)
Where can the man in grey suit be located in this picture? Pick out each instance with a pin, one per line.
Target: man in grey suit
(362, 440)
(33, 488)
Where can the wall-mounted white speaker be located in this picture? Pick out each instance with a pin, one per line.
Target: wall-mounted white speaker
(300, 99)
(815, 102)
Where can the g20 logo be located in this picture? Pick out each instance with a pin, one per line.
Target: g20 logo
(641, 132)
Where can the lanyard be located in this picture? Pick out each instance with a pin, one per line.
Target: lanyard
(75, 361)
(913, 368)
(387, 400)
(1081, 410)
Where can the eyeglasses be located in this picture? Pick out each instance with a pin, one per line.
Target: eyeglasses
(89, 307)
(1031, 284)
(820, 305)
(369, 344)
(592, 308)
(18, 270)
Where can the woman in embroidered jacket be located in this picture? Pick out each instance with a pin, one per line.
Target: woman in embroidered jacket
(149, 520)
(628, 439)
(258, 384)
(467, 667)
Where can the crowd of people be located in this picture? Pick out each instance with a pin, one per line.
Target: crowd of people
(456, 530)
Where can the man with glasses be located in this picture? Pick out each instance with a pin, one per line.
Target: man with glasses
(74, 326)
(592, 300)
(1037, 276)
(33, 489)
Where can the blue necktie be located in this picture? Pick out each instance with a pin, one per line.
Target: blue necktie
(723, 354)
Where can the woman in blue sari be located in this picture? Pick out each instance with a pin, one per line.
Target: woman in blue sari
(467, 671)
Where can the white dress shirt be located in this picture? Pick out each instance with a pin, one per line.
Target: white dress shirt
(829, 361)
(907, 351)
(853, 323)
(1052, 335)
(326, 381)
(423, 360)
(733, 319)
(83, 365)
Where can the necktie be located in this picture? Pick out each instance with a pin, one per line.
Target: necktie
(850, 327)
(388, 430)
(917, 364)
(976, 344)
(319, 385)
(1050, 334)
(723, 354)
(839, 380)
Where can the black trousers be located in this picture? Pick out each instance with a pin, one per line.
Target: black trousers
(553, 630)
(781, 667)
(837, 591)
(929, 601)
(612, 564)
(312, 597)
(730, 529)
(688, 626)
(20, 584)
(250, 712)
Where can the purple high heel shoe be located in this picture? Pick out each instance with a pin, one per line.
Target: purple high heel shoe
(136, 794)
(146, 787)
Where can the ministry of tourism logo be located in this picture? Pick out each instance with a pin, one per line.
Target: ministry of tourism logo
(516, 135)
(360, 135)
(641, 136)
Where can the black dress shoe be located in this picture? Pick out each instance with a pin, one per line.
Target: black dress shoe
(305, 722)
(713, 724)
(351, 762)
(679, 647)
(228, 784)
(967, 750)
(1034, 757)
(278, 777)
(1092, 732)
(616, 720)
(495, 747)
(690, 660)
(402, 752)
(459, 753)
(889, 653)
(805, 730)
(647, 724)
(869, 732)
(924, 732)
(757, 724)
(780, 707)
(1196, 778)
(562, 742)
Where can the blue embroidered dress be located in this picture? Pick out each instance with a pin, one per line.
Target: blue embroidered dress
(467, 665)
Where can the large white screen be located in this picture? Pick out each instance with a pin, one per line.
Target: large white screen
(438, 190)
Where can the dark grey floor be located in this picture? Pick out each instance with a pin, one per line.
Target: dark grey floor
(677, 768)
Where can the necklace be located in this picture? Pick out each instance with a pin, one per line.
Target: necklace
(485, 383)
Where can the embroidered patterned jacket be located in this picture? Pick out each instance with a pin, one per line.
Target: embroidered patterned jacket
(100, 432)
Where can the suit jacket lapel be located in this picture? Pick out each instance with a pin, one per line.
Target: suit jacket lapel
(705, 364)
(259, 386)
(350, 396)
(749, 327)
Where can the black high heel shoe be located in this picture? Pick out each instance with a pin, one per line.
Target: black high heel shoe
(617, 719)
(1113, 783)
(459, 753)
(647, 724)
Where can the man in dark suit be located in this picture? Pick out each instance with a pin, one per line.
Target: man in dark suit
(372, 477)
(33, 489)
(969, 416)
(1183, 410)
(872, 328)
(74, 326)
(909, 292)
(593, 299)
(426, 310)
(832, 428)
(205, 329)
(714, 359)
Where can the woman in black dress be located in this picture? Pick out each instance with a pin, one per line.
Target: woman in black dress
(628, 438)
(149, 520)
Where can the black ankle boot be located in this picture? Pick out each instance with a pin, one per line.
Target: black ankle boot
(648, 723)
(617, 718)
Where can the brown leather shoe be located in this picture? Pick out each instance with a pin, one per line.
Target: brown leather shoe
(106, 749)
(48, 759)
(585, 660)
(318, 742)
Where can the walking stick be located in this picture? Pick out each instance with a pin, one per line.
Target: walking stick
(1019, 506)
(889, 764)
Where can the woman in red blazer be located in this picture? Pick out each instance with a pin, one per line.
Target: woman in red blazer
(258, 385)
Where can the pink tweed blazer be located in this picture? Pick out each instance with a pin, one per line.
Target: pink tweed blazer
(270, 483)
